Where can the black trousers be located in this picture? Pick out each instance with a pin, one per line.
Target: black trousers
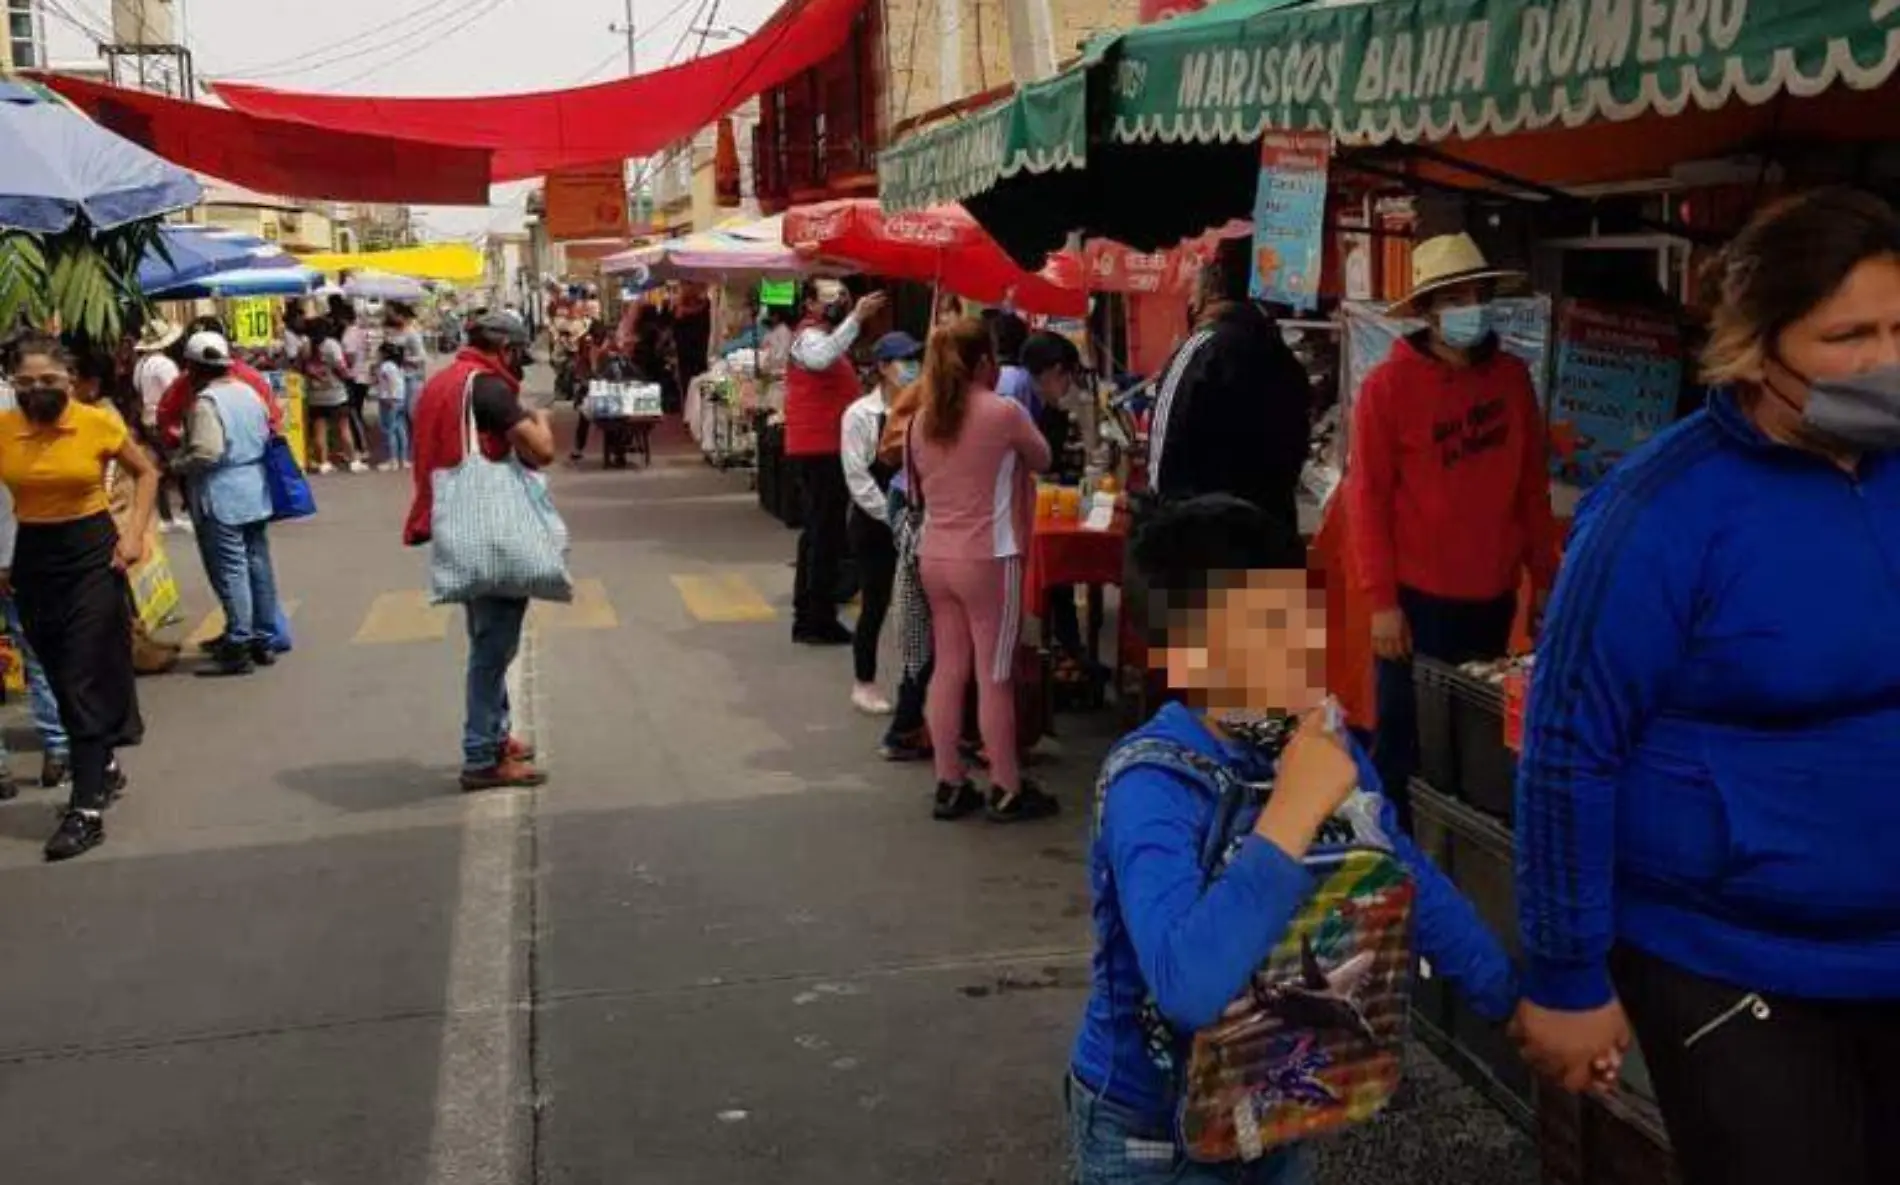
(76, 613)
(821, 541)
(876, 551)
(1765, 1090)
(357, 425)
(1449, 631)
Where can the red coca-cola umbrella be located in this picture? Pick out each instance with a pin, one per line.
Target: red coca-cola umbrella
(942, 245)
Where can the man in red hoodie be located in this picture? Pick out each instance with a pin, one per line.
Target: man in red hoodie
(1448, 489)
(485, 376)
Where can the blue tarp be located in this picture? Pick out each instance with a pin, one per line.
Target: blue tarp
(198, 251)
(249, 281)
(55, 164)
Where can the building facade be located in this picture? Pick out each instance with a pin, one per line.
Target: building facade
(909, 63)
(24, 47)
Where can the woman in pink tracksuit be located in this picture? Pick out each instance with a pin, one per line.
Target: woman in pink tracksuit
(972, 457)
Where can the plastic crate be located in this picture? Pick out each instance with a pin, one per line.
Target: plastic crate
(1478, 855)
(1437, 745)
(1591, 1140)
(1461, 738)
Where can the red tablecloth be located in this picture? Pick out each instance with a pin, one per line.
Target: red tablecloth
(1065, 552)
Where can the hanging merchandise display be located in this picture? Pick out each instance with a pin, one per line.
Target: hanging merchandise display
(587, 203)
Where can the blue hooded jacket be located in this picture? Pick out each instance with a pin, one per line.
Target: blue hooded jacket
(1158, 933)
(1711, 766)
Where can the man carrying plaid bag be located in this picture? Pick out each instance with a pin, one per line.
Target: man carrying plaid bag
(488, 370)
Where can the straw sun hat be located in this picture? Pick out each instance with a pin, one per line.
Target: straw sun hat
(1446, 260)
(158, 334)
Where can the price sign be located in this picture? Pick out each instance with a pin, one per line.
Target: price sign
(251, 321)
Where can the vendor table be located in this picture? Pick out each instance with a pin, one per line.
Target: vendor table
(1063, 552)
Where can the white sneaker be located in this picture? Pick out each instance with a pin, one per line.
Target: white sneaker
(866, 698)
(386, 467)
(326, 467)
(408, 465)
(358, 467)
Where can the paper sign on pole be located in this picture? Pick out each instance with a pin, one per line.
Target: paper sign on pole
(587, 203)
(251, 322)
(1289, 218)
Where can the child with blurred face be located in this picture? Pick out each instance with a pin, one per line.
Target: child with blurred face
(1239, 630)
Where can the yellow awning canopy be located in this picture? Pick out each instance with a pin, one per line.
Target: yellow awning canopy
(456, 263)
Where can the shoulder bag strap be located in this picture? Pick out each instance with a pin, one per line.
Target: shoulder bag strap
(471, 439)
(1230, 793)
(915, 486)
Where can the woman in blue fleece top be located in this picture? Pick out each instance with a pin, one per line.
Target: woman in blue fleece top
(1709, 802)
(1244, 638)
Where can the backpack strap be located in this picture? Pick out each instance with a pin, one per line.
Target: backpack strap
(1229, 792)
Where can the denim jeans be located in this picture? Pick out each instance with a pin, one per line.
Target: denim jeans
(39, 693)
(203, 533)
(494, 637)
(393, 416)
(1111, 1145)
(246, 583)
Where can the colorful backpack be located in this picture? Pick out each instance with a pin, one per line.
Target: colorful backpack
(1313, 1044)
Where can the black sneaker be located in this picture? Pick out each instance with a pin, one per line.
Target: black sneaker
(262, 655)
(956, 801)
(79, 832)
(912, 746)
(833, 633)
(54, 770)
(116, 782)
(212, 645)
(1025, 805)
(9, 789)
(974, 755)
(228, 663)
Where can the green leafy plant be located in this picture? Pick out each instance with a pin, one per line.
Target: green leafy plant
(84, 280)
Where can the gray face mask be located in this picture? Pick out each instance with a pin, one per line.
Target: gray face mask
(1861, 411)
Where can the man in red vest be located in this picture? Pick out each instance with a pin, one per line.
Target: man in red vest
(486, 375)
(820, 383)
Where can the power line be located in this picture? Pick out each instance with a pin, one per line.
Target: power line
(318, 57)
(87, 30)
(436, 40)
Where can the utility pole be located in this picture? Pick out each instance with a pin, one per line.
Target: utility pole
(632, 37)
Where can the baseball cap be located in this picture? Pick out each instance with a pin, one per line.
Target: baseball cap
(504, 326)
(208, 349)
(896, 346)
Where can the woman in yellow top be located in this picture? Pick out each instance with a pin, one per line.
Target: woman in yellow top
(69, 565)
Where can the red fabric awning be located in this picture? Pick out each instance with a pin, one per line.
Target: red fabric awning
(941, 245)
(536, 133)
(280, 157)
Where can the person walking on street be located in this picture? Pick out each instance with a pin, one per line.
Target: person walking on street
(820, 384)
(360, 349)
(1448, 491)
(392, 406)
(327, 398)
(223, 455)
(972, 456)
(869, 481)
(484, 381)
(44, 709)
(153, 375)
(69, 565)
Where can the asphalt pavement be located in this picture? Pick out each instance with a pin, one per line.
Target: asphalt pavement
(725, 943)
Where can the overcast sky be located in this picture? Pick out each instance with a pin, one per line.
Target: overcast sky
(421, 47)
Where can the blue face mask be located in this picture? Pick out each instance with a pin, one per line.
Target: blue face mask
(1464, 326)
(907, 372)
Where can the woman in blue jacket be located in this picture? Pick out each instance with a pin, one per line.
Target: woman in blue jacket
(1709, 802)
(1244, 642)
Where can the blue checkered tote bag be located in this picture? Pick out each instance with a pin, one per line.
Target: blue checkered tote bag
(494, 531)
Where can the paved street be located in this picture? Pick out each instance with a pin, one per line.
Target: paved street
(725, 944)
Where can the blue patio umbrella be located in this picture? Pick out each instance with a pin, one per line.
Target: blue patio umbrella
(55, 164)
(198, 251)
(245, 281)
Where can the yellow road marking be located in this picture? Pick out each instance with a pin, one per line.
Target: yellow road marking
(589, 610)
(723, 597)
(405, 616)
(213, 624)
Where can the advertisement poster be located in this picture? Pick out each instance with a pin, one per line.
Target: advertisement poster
(1619, 373)
(587, 203)
(1289, 218)
(252, 325)
(154, 588)
(293, 418)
